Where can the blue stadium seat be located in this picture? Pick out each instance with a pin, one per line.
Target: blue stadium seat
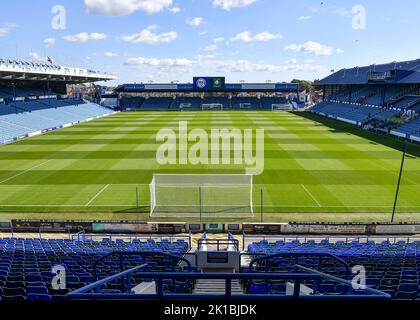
(27, 264)
(391, 267)
(19, 119)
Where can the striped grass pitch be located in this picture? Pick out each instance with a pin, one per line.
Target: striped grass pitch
(316, 169)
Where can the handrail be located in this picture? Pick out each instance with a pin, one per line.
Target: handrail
(297, 255)
(98, 283)
(121, 254)
(82, 293)
(305, 238)
(218, 243)
(132, 237)
(78, 234)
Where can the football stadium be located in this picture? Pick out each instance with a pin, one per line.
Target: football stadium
(209, 189)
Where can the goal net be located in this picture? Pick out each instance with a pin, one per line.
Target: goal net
(185, 106)
(212, 106)
(245, 106)
(206, 196)
(277, 106)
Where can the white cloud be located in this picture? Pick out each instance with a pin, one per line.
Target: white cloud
(110, 54)
(6, 28)
(304, 18)
(125, 7)
(342, 12)
(4, 31)
(49, 42)
(155, 62)
(85, 37)
(175, 10)
(148, 36)
(35, 56)
(214, 45)
(209, 63)
(339, 51)
(231, 4)
(195, 22)
(247, 36)
(210, 47)
(311, 47)
(203, 33)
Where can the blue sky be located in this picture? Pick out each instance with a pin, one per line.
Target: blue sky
(251, 40)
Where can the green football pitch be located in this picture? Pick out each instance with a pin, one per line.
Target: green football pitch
(316, 169)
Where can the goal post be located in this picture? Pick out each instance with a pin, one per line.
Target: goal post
(281, 107)
(201, 195)
(212, 106)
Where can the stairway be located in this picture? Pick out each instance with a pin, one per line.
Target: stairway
(245, 261)
(216, 286)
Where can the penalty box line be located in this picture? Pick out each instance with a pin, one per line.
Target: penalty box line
(311, 195)
(97, 195)
(23, 172)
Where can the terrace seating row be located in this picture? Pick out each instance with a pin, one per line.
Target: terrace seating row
(390, 267)
(26, 264)
(20, 119)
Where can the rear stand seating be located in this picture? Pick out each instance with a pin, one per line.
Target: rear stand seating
(26, 264)
(393, 268)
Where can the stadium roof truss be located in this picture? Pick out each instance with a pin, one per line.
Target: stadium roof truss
(30, 71)
(405, 72)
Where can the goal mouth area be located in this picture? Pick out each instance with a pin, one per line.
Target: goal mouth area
(239, 212)
(281, 107)
(197, 195)
(212, 106)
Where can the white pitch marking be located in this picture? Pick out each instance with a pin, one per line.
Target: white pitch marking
(311, 195)
(20, 173)
(268, 206)
(97, 195)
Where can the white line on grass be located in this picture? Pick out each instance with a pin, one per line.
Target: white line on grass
(20, 173)
(97, 195)
(127, 205)
(311, 195)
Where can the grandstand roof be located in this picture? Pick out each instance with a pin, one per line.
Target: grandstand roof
(35, 71)
(405, 72)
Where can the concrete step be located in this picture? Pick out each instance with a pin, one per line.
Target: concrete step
(216, 287)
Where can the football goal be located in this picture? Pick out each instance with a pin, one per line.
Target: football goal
(277, 106)
(212, 106)
(245, 106)
(201, 195)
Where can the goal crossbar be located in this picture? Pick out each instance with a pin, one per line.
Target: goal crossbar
(192, 195)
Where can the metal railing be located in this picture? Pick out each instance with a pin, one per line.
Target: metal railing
(297, 279)
(218, 244)
(144, 255)
(131, 237)
(249, 239)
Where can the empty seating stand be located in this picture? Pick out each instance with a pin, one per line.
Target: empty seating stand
(22, 118)
(393, 268)
(26, 264)
(157, 104)
(354, 113)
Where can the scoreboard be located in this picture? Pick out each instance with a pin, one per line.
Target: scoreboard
(209, 83)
